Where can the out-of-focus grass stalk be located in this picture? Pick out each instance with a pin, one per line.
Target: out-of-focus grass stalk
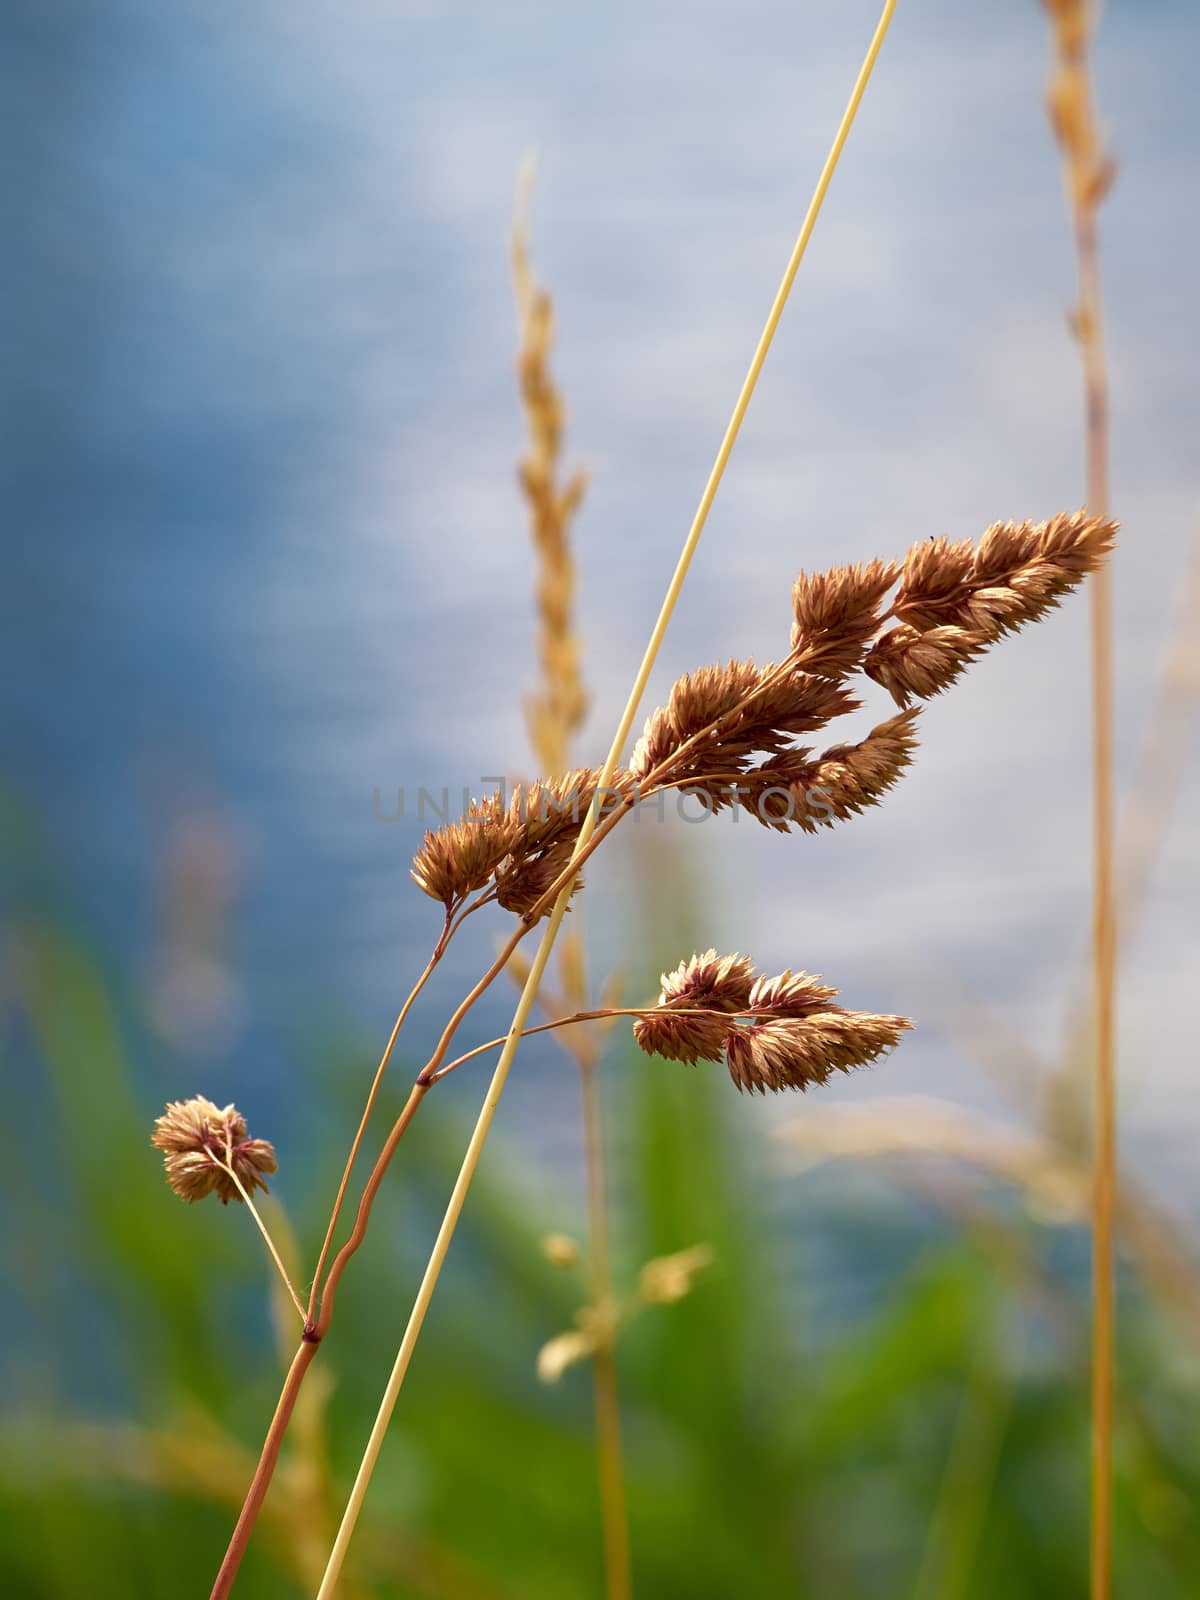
(624, 726)
(1089, 174)
(554, 716)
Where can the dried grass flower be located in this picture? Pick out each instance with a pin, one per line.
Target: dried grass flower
(727, 714)
(515, 846)
(782, 1032)
(956, 599)
(798, 1052)
(835, 613)
(727, 731)
(556, 711)
(713, 986)
(462, 857)
(200, 1141)
(795, 790)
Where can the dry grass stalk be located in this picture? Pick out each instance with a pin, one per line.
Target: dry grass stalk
(1089, 172)
(554, 715)
(785, 1032)
(557, 710)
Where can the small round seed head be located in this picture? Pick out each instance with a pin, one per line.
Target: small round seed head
(200, 1140)
(547, 817)
(524, 879)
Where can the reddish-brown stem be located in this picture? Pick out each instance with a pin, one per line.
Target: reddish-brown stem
(363, 1214)
(310, 1341)
(261, 1481)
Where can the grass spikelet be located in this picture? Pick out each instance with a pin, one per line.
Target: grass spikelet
(774, 1033)
(802, 1052)
(738, 710)
(792, 790)
(914, 665)
(955, 600)
(462, 857)
(708, 983)
(836, 613)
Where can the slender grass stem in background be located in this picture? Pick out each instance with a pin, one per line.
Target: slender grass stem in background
(554, 716)
(529, 992)
(1089, 174)
(614, 1517)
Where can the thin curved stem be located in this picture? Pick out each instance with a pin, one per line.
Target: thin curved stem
(599, 1015)
(449, 929)
(363, 1214)
(589, 828)
(310, 1341)
(265, 1231)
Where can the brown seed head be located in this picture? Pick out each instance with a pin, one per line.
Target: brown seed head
(955, 600)
(797, 1052)
(742, 710)
(912, 665)
(716, 984)
(1090, 171)
(791, 994)
(547, 816)
(835, 614)
(461, 857)
(793, 791)
(200, 1140)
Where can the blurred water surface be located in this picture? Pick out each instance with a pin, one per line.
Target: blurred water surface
(264, 553)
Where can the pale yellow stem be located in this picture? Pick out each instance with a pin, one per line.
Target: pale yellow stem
(529, 992)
